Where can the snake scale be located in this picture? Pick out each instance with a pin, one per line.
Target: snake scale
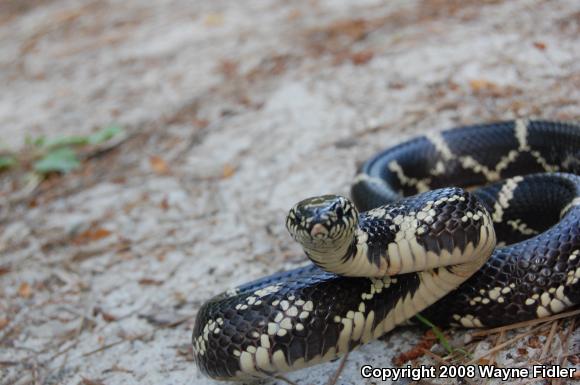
(505, 252)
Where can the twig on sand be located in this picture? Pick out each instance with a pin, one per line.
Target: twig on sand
(108, 346)
(505, 344)
(498, 340)
(550, 338)
(339, 370)
(564, 345)
(436, 357)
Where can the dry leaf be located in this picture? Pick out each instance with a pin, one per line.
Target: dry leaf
(362, 57)
(534, 342)
(3, 322)
(150, 281)
(228, 171)
(488, 88)
(483, 361)
(200, 123)
(158, 165)
(25, 291)
(228, 68)
(86, 381)
(294, 14)
(417, 351)
(356, 29)
(106, 316)
(539, 45)
(575, 359)
(214, 20)
(185, 350)
(482, 85)
(91, 235)
(180, 297)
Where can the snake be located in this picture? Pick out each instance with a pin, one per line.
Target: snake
(474, 226)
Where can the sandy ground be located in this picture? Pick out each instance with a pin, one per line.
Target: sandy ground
(232, 112)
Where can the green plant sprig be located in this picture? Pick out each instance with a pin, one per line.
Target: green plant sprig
(56, 155)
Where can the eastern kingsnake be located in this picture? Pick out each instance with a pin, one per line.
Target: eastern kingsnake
(433, 241)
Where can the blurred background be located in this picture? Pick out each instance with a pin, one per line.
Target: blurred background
(150, 150)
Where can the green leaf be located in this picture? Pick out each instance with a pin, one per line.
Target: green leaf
(104, 135)
(7, 161)
(62, 159)
(79, 140)
(37, 142)
(440, 336)
(74, 140)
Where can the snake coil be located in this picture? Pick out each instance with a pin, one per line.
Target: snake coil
(414, 242)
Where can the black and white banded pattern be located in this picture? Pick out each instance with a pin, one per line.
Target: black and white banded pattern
(399, 255)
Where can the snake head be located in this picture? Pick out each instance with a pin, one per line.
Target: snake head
(322, 222)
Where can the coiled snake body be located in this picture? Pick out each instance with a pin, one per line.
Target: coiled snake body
(379, 268)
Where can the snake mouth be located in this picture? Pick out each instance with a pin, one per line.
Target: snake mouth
(318, 230)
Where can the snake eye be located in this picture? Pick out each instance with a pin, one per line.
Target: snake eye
(339, 213)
